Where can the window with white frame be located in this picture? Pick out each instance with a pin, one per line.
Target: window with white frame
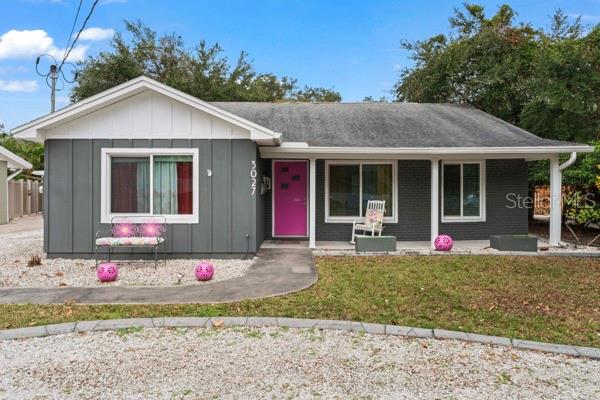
(349, 185)
(150, 182)
(463, 191)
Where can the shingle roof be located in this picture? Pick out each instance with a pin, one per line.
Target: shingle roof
(385, 125)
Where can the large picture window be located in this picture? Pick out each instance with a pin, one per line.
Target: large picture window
(350, 185)
(150, 182)
(463, 192)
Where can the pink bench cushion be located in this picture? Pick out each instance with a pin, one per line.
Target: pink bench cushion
(129, 241)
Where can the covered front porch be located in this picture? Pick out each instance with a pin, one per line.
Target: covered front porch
(423, 247)
(419, 207)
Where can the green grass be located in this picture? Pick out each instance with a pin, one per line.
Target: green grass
(551, 299)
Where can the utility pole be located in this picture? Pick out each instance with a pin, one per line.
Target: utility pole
(56, 71)
(53, 78)
(55, 75)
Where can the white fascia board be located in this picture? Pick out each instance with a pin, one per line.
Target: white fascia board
(422, 152)
(100, 100)
(31, 130)
(13, 160)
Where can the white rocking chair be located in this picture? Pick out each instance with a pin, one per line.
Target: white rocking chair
(373, 220)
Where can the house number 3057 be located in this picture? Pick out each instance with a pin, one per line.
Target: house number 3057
(253, 177)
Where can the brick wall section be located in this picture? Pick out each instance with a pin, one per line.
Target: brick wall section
(502, 177)
(414, 198)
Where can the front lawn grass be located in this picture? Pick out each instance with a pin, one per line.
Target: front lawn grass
(550, 299)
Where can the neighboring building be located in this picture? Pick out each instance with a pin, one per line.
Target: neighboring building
(229, 175)
(8, 160)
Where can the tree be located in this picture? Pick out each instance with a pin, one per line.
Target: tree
(547, 82)
(371, 99)
(202, 72)
(32, 152)
(313, 95)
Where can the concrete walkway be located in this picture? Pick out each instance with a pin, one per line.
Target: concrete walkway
(274, 273)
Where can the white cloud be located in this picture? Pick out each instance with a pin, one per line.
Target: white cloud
(17, 69)
(18, 86)
(77, 54)
(586, 17)
(24, 44)
(96, 34)
(30, 44)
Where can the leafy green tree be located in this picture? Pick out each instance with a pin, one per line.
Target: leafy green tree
(32, 152)
(371, 99)
(564, 88)
(203, 72)
(313, 95)
(547, 82)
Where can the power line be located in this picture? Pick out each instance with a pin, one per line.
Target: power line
(85, 21)
(56, 70)
(74, 23)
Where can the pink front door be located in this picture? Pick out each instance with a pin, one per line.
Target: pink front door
(290, 198)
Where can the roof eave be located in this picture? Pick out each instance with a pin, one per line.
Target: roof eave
(428, 152)
(33, 130)
(13, 160)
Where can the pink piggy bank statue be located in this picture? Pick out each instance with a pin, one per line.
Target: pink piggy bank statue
(107, 272)
(443, 243)
(205, 271)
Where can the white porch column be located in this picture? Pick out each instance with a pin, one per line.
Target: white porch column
(555, 201)
(312, 207)
(435, 199)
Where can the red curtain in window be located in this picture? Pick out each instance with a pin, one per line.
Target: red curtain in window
(184, 188)
(124, 187)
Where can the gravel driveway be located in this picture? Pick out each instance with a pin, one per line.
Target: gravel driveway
(245, 363)
(24, 237)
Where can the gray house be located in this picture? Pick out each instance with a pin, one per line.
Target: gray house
(227, 176)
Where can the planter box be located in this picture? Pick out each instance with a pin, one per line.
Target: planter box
(514, 242)
(375, 244)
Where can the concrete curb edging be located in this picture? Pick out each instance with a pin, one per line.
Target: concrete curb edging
(378, 329)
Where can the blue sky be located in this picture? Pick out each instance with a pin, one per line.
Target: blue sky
(352, 46)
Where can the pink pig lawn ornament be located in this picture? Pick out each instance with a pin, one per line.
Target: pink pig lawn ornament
(443, 243)
(107, 272)
(205, 271)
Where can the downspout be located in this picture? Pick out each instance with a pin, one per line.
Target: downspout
(569, 162)
(556, 195)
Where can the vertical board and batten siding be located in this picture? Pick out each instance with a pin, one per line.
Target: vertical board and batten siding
(502, 177)
(72, 197)
(260, 200)
(267, 165)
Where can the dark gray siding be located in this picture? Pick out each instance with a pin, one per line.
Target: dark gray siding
(72, 198)
(502, 177)
(260, 201)
(268, 200)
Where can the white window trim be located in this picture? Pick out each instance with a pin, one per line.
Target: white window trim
(106, 216)
(482, 204)
(394, 210)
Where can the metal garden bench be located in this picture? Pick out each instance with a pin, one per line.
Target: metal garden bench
(130, 232)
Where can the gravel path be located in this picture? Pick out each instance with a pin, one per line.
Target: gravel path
(18, 245)
(281, 363)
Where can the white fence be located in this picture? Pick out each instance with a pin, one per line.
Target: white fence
(24, 198)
